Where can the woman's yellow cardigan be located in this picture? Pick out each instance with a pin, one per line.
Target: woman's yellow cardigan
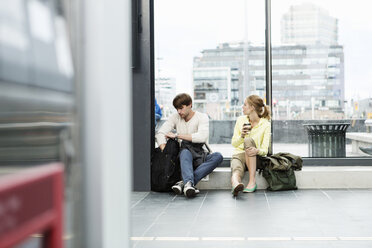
(260, 134)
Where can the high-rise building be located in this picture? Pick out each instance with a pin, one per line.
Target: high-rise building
(304, 77)
(308, 24)
(307, 70)
(218, 81)
(308, 77)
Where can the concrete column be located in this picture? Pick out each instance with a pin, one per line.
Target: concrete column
(107, 122)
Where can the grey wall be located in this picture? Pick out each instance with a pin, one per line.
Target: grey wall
(143, 98)
(292, 131)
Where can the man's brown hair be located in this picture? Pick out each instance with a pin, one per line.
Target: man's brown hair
(182, 99)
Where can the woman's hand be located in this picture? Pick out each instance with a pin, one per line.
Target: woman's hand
(247, 127)
(251, 151)
(244, 131)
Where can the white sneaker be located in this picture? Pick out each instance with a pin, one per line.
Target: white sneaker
(178, 188)
(189, 190)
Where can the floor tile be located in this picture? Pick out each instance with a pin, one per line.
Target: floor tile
(213, 215)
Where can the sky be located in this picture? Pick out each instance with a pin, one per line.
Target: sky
(183, 28)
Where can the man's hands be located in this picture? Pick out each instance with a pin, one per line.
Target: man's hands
(162, 146)
(251, 151)
(171, 135)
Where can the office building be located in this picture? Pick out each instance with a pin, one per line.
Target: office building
(308, 24)
(304, 77)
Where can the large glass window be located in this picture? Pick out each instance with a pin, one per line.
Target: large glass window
(321, 87)
(213, 50)
(321, 78)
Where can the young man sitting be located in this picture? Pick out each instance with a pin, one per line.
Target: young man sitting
(191, 126)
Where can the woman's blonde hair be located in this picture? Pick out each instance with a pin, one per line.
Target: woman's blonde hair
(261, 109)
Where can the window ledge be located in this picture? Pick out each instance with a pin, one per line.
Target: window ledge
(310, 177)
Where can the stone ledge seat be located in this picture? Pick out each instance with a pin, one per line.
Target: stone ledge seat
(311, 177)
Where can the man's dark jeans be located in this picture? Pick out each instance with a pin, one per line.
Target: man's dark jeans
(194, 176)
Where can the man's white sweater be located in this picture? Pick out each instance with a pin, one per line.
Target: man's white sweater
(197, 126)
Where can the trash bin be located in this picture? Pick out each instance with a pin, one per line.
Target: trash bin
(326, 139)
(368, 124)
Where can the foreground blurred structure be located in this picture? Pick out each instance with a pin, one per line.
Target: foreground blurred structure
(63, 92)
(68, 71)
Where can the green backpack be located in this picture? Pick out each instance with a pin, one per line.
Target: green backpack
(278, 170)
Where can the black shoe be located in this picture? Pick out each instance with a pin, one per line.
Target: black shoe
(189, 190)
(178, 188)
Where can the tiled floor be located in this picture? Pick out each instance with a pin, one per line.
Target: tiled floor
(302, 218)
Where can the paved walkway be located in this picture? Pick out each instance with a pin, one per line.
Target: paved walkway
(302, 218)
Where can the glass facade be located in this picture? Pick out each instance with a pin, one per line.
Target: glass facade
(312, 83)
(312, 74)
(218, 80)
(317, 75)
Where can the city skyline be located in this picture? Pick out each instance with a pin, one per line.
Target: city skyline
(305, 77)
(190, 36)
